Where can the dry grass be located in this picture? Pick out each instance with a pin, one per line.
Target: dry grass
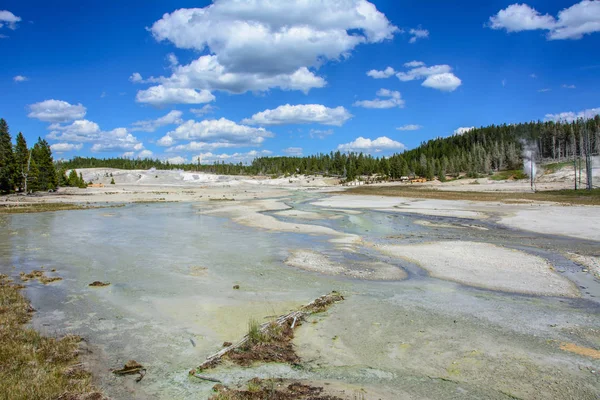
(570, 197)
(271, 389)
(34, 367)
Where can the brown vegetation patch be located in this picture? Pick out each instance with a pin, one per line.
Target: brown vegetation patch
(273, 345)
(273, 389)
(40, 276)
(272, 341)
(32, 366)
(580, 197)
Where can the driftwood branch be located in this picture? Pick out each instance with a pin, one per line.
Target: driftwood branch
(319, 305)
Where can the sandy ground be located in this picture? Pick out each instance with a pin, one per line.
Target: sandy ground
(485, 265)
(312, 261)
(251, 213)
(576, 221)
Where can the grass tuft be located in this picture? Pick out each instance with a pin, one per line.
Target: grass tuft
(32, 366)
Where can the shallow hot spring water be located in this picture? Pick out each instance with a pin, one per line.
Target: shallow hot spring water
(171, 303)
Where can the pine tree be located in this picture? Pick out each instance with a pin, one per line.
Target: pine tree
(7, 161)
(42, 154)
(21, 162)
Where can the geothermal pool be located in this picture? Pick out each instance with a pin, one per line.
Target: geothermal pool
(171, 302)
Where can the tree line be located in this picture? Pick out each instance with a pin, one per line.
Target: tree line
(477, 152)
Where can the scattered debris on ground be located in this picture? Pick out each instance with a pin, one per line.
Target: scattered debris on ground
(40, 276)
(132, 367)
(99, 284)
(275, 389)
(33, 366)
(271, 341)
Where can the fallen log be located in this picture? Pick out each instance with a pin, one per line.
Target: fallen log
(319, 305)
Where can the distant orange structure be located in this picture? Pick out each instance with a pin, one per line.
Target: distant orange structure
(95, 184)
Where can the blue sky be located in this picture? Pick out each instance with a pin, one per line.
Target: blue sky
(269, 78)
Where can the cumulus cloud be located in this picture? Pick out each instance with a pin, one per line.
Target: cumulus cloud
(208, 146)
(385, 99)
(301, 114)
(172, 118)
(210, 158)
(565, 86)
(56, 111)
(417, 34)
(438, 77)
(293, 151)
(206, 109)
(574, 22)
(217, 130)
(371, 146)
(20, 78)
(410, 127)
(263, 44)
(65, 147)
(84, 131)
(172, 59)
(176, 160)
(571, 116)
(8, 19)
(447, 82)
(463, 130)
(161, 95)
(320, 133)
(386, 73)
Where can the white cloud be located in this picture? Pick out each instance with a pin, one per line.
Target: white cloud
(172, 118)
(447, 82)
(423, 72)
(8, 19)
(301, 114)
(263, 44)
(386, 73)
(160, 95)
(390, 99)
(463, 130)
(320, 133)
(208, 146)
(544, 90)
(176, 160)
(410, 127)
(65, 147)
(414, 64)
(206, 109)
(136, 77)
(210, 158)
(118, 139)
(56, 111)
(293, 151)
(221, 130)
(84, 131)
(172, 58)
(533, 76)
(436, 77)
(574, 22)
(20, 78)
(569, 86)
(367, 145)
(571, 116)
(145, 154)
(417, 34)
